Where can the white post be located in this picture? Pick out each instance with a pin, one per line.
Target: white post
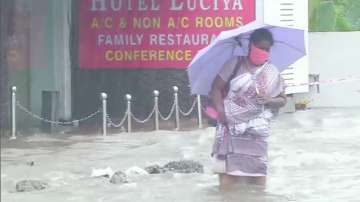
(176, 100)
(128, 98)
(104, 97)
(156, 103)
(199, 111)
(13, 113)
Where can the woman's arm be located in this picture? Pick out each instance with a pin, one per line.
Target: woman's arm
(217, 99)
(277, 102)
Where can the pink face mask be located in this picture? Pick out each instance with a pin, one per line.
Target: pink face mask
(258, 56)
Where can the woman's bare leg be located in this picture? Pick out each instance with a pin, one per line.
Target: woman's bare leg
(229, 182)
(259, 181)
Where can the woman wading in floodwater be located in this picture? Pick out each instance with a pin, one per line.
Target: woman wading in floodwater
(255, 91)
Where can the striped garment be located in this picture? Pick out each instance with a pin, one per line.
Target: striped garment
(240, 148)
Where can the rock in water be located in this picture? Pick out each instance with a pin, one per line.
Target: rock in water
(184, 166)
(119, 178)
(30, 185)
(155, 169)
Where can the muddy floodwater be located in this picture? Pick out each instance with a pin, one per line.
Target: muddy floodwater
(314, 155)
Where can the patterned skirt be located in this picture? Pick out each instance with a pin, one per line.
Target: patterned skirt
(241, 153)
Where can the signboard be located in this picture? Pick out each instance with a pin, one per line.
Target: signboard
(153, 33)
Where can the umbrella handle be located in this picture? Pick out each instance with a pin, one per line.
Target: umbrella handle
(258, 93)
(238, 39)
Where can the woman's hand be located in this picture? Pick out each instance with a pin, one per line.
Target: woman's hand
(268, 101)
(217, 99)
(263, 99)
(222, 117)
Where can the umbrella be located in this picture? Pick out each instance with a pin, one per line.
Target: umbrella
(289, 46)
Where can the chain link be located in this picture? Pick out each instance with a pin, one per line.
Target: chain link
(172, 110)
(55, 122)
(190, 110)
(111, 123)
(145, 120)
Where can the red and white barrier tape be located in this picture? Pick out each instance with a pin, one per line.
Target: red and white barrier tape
(332, 81)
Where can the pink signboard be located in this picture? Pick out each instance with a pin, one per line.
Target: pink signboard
(153, 33)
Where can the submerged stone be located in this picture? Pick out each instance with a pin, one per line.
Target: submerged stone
(30, 185)
(184, 166)
(155, 169)
(119, 177)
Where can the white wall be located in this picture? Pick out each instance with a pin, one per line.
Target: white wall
(335, 55)
(293, 14)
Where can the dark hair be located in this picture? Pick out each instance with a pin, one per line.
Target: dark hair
(261, 34)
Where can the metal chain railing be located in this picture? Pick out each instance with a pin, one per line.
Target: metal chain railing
(172, 110)
(175, 108)
(18, 104)
(147, 118)
(112, 124)
(192, 108)
(106, 119)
